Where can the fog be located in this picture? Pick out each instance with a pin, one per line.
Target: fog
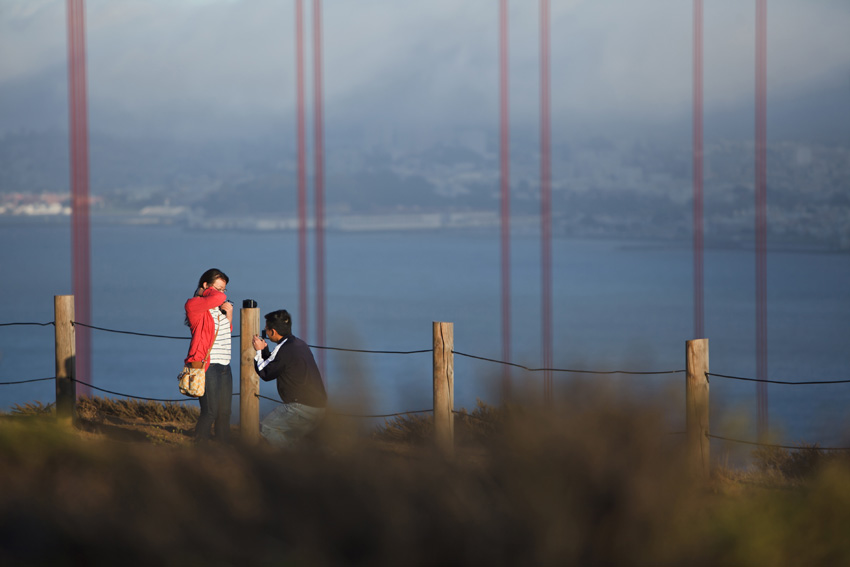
(226, 68)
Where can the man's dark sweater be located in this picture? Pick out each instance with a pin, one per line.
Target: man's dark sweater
(296, 372)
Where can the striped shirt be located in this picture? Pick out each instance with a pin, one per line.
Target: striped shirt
(220, 353)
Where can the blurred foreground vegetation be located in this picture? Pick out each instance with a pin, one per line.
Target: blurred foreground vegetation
(597, 482)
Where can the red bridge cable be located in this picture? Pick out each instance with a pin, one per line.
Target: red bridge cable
(302, 169)
(80, 202)
(319, 195)
(761, 214)
(545, 200)
(699, 302)
(505, 191)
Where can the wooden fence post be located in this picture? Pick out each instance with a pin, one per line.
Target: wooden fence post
(444, 387)
(66, 358)
(696, 414)
(249, 382)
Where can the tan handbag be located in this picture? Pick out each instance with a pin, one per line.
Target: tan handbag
(193, 379)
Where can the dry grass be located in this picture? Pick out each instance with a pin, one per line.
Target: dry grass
(799, 464)
(596, 482)
(31, 409)
(97, 409)
(93, 408)
(124, 420)
(470, 428)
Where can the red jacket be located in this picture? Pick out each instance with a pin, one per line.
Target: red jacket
(201, 323)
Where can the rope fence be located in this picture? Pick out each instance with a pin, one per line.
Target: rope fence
(773, 446)
(132, 332)
(573, 371)
(27, 381)
(354, 415)
(705, 375)
(421, 351)
(402, 352)
(412, 412)
(128, 395)
(809, 383)
(458, 353)
(235, 336)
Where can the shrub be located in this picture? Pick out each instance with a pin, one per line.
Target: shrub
(795, 464)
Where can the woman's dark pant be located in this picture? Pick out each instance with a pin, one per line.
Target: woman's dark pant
(215, 403)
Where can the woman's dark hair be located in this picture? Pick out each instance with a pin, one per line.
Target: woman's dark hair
(280, 321)
(211, 275)
(208, 278)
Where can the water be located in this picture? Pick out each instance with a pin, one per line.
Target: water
(617, 305)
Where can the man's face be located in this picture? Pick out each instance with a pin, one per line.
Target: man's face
(272, 334)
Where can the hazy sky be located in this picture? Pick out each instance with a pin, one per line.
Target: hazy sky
(212, 67)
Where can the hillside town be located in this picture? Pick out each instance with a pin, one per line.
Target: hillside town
(600, 189)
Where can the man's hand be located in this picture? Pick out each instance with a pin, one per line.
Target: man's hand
(259, 344)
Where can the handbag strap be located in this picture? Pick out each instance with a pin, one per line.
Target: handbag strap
(216, 323)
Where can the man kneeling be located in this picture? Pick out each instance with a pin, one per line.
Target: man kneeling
(299, 382)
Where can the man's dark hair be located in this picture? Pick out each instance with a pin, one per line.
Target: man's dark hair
(280, 321)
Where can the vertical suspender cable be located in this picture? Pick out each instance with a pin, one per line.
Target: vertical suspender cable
(319, 176)
(302, 169)
(761, 215)
(545, 202)
(504, 160)
(699, 302)
(80, 202)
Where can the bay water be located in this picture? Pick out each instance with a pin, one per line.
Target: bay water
(617, 305)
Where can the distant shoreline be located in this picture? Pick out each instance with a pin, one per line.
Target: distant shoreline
(393, 223)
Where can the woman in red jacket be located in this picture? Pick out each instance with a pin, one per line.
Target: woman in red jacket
(210, 318)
